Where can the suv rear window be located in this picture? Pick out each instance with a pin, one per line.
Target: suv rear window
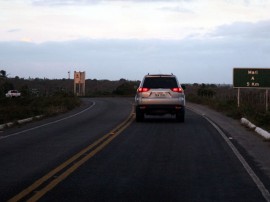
(160, 82)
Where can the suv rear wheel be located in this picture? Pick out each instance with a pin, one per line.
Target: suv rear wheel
(180, 116)
(139, 115)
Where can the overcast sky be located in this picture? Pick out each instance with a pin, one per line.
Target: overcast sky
(200, 41)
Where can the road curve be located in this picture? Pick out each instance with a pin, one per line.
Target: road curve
(162, 160)
(157, 160)
(29, 152)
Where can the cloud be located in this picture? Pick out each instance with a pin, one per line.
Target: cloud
(91, 2)
(13, 30)
(125, 19)
(64, 2)
(177, 9)
(194, 60)
(238, 30)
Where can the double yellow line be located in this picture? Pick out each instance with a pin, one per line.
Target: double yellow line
(40, 187)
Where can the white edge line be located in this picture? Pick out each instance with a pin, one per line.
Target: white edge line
(251, 173)
(53, 122)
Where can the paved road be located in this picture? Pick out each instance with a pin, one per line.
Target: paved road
(26, 154)
(157, 160)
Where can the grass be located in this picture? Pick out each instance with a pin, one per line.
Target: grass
(254, 113)
(13, 109)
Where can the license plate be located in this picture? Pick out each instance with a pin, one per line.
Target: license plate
(160, 94)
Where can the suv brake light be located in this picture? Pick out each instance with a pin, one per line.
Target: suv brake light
(140, 90)
(177, 90)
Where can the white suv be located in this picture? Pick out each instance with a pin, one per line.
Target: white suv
(160, 94)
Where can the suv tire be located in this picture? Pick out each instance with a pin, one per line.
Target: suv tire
(139, 115)
(180, 116)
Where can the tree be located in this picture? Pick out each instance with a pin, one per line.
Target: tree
(205, 91)
(4, 84)
(126, 89)
(3, 74)
(4, 87)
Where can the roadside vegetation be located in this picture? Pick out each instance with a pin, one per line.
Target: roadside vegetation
(223, 98)
(32, 102)
(50, 97)
(13, 109)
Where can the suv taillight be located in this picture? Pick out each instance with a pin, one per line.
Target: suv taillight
(177, 90)
(140, 90)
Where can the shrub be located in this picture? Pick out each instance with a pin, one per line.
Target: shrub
(224, 99)
(20, 108)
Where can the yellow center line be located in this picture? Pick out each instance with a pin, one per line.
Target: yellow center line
(99, 144)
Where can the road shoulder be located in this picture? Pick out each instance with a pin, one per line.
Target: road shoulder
(253, 144)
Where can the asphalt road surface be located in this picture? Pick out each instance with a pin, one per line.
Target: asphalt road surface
(102, 154)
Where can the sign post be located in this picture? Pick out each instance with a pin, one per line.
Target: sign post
(238, 98)
(266, 99)
(79, 83)
(251, 78)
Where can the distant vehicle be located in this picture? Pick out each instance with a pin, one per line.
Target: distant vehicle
(13, 93)
(160, 94)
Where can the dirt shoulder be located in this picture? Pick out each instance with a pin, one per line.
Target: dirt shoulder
(253, 144)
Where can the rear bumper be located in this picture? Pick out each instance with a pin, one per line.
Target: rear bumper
(160, 109)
